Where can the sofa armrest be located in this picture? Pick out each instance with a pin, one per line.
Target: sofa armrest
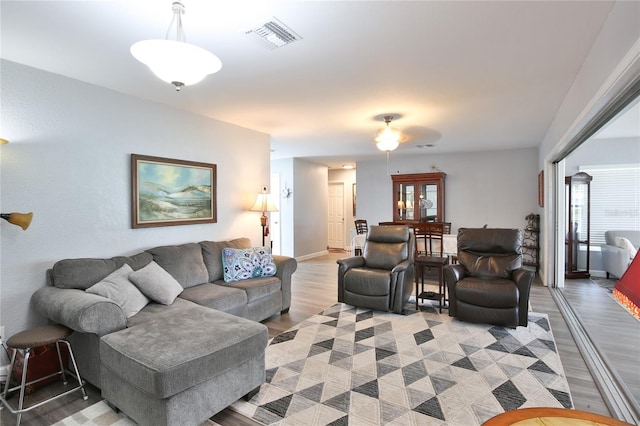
(615, 260)
(285, 267)
(79, 310)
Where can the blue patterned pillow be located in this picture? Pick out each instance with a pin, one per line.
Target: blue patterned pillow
(241, 264)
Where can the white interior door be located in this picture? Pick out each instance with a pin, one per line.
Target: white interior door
(336, 215)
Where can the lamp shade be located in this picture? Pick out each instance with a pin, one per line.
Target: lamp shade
(176, 62)
(23, 220)
(264, 204)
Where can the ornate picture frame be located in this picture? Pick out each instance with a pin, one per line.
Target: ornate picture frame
(353, 196)
(169, 192)
(541, 188)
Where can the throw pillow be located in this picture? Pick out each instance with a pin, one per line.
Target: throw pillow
(117, 287)
(156, 283)
(241, 264)
(624, 243)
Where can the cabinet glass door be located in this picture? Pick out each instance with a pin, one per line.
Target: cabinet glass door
(405, 201)
(428, 202)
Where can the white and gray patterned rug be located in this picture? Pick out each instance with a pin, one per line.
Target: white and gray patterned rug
(357, 366)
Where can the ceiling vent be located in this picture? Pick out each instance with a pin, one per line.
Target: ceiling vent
(273, 34)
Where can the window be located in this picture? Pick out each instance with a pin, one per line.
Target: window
(615, 198)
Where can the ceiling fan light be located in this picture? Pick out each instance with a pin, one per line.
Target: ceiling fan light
(388, 138)
(387, 145)
(176, 61)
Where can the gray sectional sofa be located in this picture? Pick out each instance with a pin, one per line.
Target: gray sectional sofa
(179, 361)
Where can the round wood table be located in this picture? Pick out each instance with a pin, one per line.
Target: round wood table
(542, 416)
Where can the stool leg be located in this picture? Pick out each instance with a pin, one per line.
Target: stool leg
(75, 369)
(27, 355)
(62, 367)
(9, 373)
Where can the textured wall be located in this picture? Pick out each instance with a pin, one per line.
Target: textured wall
(497, 188)
(68, 162)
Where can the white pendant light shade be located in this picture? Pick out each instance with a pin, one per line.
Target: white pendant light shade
(176, 62)
(389, 137)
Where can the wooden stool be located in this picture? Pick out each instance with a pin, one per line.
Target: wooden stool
(27, 340)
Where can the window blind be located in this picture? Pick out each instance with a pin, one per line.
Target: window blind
(615, 198)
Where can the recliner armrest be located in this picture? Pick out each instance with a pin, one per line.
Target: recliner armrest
(402, 266)
(350, 262)
(343, 266)
(523, 279)
(454, 273)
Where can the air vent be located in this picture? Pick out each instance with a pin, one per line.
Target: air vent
(273, 34)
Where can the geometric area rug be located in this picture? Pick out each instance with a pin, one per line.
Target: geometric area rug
(348, 365)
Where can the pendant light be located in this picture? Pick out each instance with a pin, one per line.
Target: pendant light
(388, 138)
(176, 61)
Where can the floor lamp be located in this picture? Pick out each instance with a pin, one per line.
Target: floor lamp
(264, 204)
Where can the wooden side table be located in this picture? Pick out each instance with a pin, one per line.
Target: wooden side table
(431, 262)
(550, 416)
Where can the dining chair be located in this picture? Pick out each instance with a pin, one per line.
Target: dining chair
(361, 226)
(361, 229)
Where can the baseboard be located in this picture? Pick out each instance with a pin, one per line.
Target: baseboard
(312, 255)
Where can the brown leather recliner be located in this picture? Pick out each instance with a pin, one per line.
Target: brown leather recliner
(489, 285)
(382, 278)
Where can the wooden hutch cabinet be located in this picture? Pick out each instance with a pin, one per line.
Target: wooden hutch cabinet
(578, 216)
(418, 197)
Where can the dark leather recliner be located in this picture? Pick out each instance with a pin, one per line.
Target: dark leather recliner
(382, 278)
(489, 285)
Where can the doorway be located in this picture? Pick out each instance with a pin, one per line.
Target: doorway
(336, 216)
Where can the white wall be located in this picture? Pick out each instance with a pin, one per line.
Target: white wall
(284, 168)
(303, 215)
(311, 199)
(612, 62)
(603, 151)
(497, 188)
(68, 162)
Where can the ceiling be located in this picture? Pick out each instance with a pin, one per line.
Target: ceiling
(461, 76)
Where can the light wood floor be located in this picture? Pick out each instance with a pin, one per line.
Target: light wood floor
(614, 330)
(314, 289)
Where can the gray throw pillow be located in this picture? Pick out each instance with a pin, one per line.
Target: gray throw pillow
(156, 283)
(117, 287)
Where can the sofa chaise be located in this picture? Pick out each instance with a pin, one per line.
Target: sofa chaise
(192, 350)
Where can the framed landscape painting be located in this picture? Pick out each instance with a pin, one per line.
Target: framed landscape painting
(167, 192)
